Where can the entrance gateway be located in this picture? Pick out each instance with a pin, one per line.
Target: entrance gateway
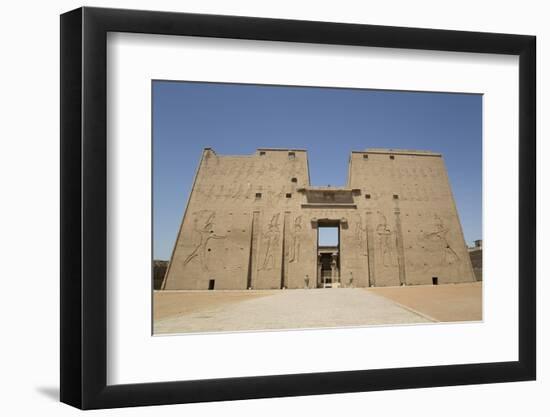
(328, 254)
(252, 222)
(328, 275)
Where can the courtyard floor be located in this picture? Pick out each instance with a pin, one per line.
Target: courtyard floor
(228, 311)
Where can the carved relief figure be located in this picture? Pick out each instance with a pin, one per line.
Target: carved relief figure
(360, 236)
(271, 240)
(201, 237)
(385, 235)
(439, 237)
(296, 237)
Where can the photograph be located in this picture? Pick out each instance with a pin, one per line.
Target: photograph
(257, 207)
(280, 207)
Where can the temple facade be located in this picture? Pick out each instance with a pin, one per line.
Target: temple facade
(252, 222)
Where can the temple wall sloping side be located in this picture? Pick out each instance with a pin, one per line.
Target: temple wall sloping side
(416, 232)
(251, 222)
(242, 213)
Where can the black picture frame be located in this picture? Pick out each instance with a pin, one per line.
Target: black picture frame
(84, 207)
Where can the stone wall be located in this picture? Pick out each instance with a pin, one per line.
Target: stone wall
(251, 222)
(410, 211)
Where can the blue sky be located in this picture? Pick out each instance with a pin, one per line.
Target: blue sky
(328, 122)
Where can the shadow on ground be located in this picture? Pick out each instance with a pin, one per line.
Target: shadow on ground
(49, 392)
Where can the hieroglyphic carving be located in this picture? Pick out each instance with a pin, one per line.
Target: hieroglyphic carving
(250, 169)
(370, 250)
(241, 169)
(285, 261)
(273, 169)
(271, 197)
(253, 255)
(294, 255)
(226, 170)
(399, 245)
(216, 193)
(260, 170)
(211, 192)
(405, 192)
(282, 192)
(385, 241)
(375, 195)
(202, 235)
(248, 192)
(416, 193)
(360, 236)
(271, 241)
(236, 195)
(426, 192)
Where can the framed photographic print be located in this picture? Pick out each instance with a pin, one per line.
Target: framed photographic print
(256, 208)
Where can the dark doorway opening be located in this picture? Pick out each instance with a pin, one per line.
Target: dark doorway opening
(325, 267)
(328, 254)
(435, 280)
(211, 284)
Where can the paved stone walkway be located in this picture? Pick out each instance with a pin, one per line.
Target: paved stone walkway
(294, 309)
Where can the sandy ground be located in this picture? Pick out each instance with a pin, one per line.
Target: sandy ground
(451, 302)
(216, 311)
(179, 303)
